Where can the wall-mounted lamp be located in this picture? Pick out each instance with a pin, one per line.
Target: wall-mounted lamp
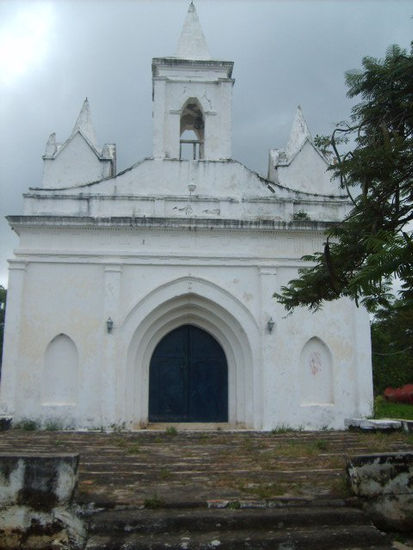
(109, 324)
(270, 325)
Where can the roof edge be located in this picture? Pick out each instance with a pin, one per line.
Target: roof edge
(166, 223)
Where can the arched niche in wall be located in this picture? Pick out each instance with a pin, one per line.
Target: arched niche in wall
(60, 372)
(192, 133)
(316, 373)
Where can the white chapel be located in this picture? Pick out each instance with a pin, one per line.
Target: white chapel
(146, 296)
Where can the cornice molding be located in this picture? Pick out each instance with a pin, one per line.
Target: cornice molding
(166, 224)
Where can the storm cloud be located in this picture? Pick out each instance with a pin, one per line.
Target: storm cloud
(54, 54)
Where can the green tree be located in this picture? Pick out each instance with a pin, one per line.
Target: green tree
(3, 295)
(363, 254)
(392, 346)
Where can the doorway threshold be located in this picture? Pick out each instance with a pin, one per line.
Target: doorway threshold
(195, 426)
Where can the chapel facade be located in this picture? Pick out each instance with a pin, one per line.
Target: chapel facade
(146, 296)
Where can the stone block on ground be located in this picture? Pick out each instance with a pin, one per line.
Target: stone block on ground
(373, 424)
(36, 493)
(384, 483)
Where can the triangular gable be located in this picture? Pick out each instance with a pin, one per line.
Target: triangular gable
(70, 139)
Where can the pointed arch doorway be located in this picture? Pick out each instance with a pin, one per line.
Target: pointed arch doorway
(188, 378)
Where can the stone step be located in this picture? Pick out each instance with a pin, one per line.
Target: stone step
(222, 520)
(127, 468)
(354, 537)
(129, 471)
(313, 525)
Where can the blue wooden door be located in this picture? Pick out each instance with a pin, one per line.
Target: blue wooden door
(188, 378)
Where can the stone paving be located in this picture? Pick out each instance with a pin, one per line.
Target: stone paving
(190, 468)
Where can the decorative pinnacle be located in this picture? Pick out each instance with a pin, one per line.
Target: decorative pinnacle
(298, 135)
(51, 146)
(84, 124)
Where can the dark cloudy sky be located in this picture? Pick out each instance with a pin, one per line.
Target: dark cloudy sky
(53, 54)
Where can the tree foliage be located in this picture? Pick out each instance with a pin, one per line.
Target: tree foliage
(373, 244)
(392, 346)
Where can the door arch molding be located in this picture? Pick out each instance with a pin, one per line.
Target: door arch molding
(205, 305)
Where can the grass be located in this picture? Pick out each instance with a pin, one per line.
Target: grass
(129, 446)
(117, 428)
(234, 505)
(321, 444)
(28, 425)
(134, 449)
(341, 487)
(248, 444)
(281, 429)
(294, 448)
(165, 474)
(381, 441)
(171, 430)
(265, 490)
(153, 502)
(53, 426)
(121, 443)
(386, 409)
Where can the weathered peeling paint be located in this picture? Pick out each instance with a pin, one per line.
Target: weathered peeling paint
(36, 493)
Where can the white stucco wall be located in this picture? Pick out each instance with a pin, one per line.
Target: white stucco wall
(150, 280)
(54, 300)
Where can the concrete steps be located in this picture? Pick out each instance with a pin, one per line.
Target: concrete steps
(291, 528)
(290, 488)
(340, 539)
(128, 468)
(156, 521)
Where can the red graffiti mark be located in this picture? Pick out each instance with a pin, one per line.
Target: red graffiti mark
(315, 363)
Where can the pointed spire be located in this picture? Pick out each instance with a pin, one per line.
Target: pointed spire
(192, 43)
(84, 124)
(298, 135)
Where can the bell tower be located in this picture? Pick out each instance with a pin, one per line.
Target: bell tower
(192, 99)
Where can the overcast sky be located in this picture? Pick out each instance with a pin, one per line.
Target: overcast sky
(53, 54)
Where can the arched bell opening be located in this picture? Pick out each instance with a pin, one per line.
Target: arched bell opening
(192, 125)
